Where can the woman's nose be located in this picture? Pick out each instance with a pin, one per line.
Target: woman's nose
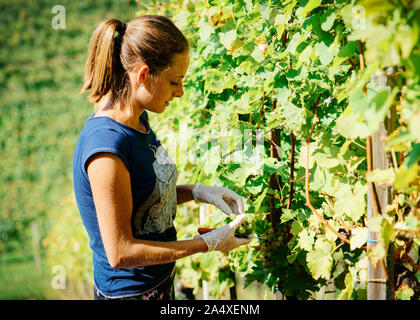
(179, 92)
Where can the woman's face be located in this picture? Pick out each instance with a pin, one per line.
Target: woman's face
(156, 95)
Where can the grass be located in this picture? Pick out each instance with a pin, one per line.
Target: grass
(20, 280)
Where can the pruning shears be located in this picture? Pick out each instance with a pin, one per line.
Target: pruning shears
(238, 235)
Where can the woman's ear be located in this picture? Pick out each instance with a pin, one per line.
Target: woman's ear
(141, 74)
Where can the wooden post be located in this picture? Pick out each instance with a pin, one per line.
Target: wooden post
(377, 288)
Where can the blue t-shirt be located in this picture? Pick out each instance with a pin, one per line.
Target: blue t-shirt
(153, 177)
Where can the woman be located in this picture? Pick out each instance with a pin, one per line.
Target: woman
(124, 180)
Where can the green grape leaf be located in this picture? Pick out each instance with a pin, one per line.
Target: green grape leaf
(227, 38)
(323, 244)
(259, 200)
(412, 222)
(373, 107)
(302, 12)
(286, 215)
(400, 140)
(344, 148)
(294, 43)
(258, 55)
(319, 263)
(319, 180)
(325, 160)
(265, 9)
(296, 228)
(326, 53)
(306, 239)
(358, 238)
(242, 105)
(206, 30)
(327, 19)
(209, 264)
(329, 235)
(405, 176)
(213, 79)
(350, 203)
(414, 127)
(406, 38)
(282, 94)
(405, 293)
(376, 253)
(413, 157)
(381, 176)
(346, 52)
(294, 116)
(272, 165)
(350, 126)
(230, 82)
(304, 56)
(292, 257)
(347, 292)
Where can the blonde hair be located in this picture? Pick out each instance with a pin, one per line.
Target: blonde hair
(151, 39)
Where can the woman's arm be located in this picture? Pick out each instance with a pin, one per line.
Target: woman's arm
(184, 193)
(111, 190)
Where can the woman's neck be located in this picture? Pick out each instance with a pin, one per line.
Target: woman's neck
(104, 109)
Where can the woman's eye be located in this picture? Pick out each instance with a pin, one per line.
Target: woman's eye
(174, 83)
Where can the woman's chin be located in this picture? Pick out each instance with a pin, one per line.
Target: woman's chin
(164, 106)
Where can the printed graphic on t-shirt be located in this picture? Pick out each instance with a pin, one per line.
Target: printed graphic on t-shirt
(157, 213)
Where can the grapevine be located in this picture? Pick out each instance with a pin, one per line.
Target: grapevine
(300, 72)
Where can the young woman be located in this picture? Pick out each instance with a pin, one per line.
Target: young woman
(124, 180)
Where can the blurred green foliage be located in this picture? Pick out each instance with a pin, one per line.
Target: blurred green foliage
(41, 116)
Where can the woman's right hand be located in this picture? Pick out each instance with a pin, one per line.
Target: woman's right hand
(223, 238)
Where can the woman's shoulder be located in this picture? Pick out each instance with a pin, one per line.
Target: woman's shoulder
(101, 130)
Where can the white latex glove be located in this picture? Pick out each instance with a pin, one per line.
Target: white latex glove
(225, 199)
(223, 238)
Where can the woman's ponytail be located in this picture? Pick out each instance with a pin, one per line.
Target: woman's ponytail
(103, 69)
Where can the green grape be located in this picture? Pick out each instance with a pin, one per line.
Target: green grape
(241, 230)
(249, 219)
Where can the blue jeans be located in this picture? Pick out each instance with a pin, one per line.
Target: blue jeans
(164, 291)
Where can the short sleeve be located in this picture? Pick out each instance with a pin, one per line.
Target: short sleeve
(106, 140)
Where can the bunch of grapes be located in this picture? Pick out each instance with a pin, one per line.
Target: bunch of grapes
(247, 226)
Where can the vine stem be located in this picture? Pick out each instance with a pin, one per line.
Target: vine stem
(352, 64)
(272, 181)
(284, 39)
(341, 221)
(292, 169)
(309, 204)
(308, 201)
(358, 144)
(362, 62)
(261, 111)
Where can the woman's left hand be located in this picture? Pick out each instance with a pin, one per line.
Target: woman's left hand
(225, 199)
